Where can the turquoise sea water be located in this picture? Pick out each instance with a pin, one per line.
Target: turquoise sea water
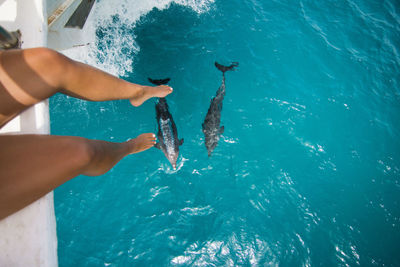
(307, 171)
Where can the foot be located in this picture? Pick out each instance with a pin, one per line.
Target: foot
(142, 142)
(149, 92)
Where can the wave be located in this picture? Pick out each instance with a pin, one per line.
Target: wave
(109, 36)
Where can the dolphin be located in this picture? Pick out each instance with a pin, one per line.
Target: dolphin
(167, 135)
(211, 128)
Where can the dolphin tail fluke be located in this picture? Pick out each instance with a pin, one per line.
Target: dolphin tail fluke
(226, 68)
(159, 82)
(158, 145)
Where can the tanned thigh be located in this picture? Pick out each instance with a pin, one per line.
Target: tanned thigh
(33, 165)
(26, 78)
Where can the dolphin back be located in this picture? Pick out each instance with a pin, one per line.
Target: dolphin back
(167, 135)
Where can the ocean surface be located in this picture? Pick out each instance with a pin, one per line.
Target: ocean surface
(307, 172)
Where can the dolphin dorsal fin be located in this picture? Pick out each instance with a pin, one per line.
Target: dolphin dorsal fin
(181, 142)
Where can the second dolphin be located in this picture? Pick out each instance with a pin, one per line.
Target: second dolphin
(211, 128)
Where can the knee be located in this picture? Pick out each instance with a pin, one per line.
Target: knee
(49, 57)
(81, 153)
(55, 64)
(89, 157)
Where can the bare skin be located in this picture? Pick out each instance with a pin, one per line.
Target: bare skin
(33, 165)
(32, 75)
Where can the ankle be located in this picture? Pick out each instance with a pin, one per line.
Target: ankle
(131, 146)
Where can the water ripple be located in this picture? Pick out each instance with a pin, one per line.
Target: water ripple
(314, 25)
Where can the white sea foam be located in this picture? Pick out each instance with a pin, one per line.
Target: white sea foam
(118, 45)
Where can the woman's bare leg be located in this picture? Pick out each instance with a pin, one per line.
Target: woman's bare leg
(33, 165)
(32, 75)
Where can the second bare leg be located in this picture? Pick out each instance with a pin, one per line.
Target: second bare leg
(33, 165)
